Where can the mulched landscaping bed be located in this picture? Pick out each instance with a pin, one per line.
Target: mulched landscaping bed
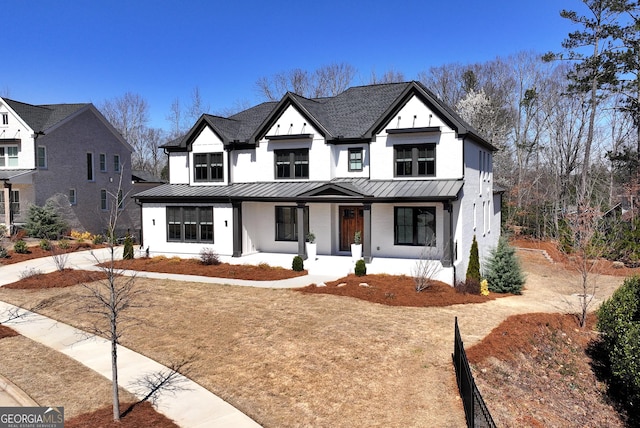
(57, 279)
(35, 252)
(143, 415)
(396, 290)
(7, 332)
(262, 272)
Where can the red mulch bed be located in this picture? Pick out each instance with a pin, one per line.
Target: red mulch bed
(7, 332)
(262, 272)
(396, 290)
(57, 279)
(143, 415)
(35, 252)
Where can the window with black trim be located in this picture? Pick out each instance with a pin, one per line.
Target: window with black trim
(415, 160)
(355, 159)
(208, 167)
(292, 163)
(5, 118)
(287, 222)
(90, 167)
(190, 224)
(415, 226)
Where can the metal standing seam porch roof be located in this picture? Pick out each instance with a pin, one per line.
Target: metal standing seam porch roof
(340, 189)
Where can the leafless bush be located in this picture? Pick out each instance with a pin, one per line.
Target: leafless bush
(60, 258)
(209, 257)
(426, 269)
(29, 272)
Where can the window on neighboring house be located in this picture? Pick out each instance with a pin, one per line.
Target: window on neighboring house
(90, 167)
(42, 157)
(103, 200)
(292, 163)
(14, 202)
(355, 159)
(208, 167)
(287, 223)
(415, 160)
(415, 226)
(116, 163)
(5, 118)
(190, 224)
(9, 156)
(72, 197)
(103, 162)
(120, 200)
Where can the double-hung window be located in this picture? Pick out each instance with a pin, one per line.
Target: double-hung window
(208, 167)
(103, 200)
(73, 199)
(116, 163)
(103, 162)
(190, 224)
(42, 157)
(415, 226)
(9, 156)
(355, 159)
(417, 160)
(292, 163)
(287, 223)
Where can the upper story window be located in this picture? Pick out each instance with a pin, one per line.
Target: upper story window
(415, 160)
(208, 167)
(116, 163)
(4, 117)
(42, 157)
(90, 167)
(355, 159)
(292, 163)
(103, 162)
(8, 156)
(103, 199)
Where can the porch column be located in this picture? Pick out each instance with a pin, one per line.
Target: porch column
(302, 233)
(366, 243)
(7, 205)
(237, 228)
(447, 238)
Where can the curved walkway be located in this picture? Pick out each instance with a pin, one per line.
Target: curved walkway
(192, 406)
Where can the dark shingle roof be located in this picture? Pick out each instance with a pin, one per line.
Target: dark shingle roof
(353, 114)
(359, 188)
(42, 117)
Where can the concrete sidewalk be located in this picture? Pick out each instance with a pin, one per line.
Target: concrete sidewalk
(192, 407)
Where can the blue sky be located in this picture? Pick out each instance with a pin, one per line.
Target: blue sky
(88, 51)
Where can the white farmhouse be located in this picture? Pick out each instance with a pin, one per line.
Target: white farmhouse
(390, 161)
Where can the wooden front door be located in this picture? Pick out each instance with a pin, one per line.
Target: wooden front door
(351, 220)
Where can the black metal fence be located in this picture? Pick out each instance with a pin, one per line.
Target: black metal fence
(475, 408)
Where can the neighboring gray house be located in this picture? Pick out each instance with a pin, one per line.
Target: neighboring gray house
(390, 162)
(69, 154)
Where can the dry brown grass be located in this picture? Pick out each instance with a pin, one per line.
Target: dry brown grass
(53, 379)
(287, 358)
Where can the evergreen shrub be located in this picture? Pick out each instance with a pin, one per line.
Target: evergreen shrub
(127, 252)
(360, 268)
(298, 264)
(503, 272)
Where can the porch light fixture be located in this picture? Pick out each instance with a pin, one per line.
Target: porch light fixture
(153, 221)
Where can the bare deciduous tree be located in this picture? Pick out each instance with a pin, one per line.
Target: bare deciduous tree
(326, 81)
